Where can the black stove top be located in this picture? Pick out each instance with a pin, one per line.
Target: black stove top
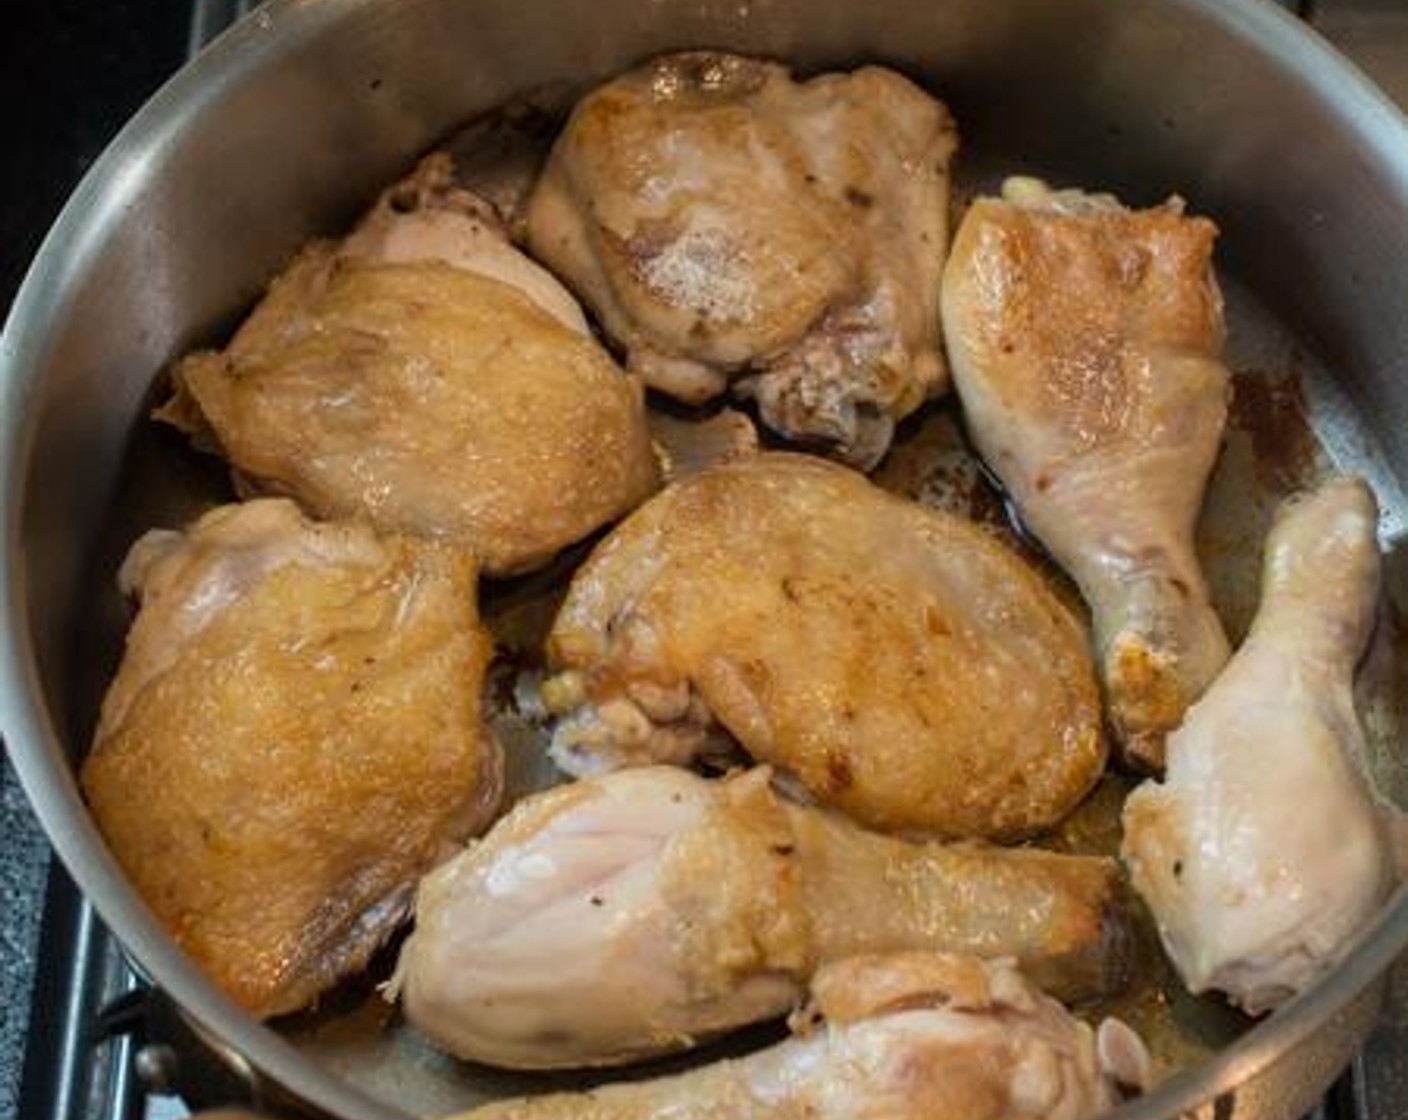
(71, 1019)
(71, 71)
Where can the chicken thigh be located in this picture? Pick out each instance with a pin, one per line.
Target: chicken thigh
(293, 738)
(1263, 852)
(426, 376)
(637, 913)
(1085, 343)
(909, 1037)
(727, 222)
(896, 661)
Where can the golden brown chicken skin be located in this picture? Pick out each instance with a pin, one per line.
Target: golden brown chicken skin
(294, 736)
(1086, 341)
(428, 377)
(730, 225)
(896, 661)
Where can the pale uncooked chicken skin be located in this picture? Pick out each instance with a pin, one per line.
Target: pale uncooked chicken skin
(293, 738)
(641, 912)
(727, 223)
(897, 661)
(428, 377)
(1263, 852)
(906, 1037)
(1085, 340)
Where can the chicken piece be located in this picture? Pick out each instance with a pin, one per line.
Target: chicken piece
(427, 376)
(426, 217)
(688, 446)
(1263, 852)
(1085, 343)
(921, 1036)
(634, 914)
(293, 738)
(897, 661)
(726, 221)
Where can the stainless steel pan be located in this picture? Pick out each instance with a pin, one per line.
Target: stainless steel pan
(290, 123)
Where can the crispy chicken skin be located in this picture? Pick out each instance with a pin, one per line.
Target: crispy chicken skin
(640, 912)
(428, 377)
(1085, 342)
(896, 661)
(1263, 852)
(727, 223)
(909, 1037)
(293, 738)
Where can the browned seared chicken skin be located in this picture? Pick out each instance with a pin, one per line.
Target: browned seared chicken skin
(896, 661)
(425, 375)
(730, 224)
(1086, 340)
(643, 911)
(293, 738)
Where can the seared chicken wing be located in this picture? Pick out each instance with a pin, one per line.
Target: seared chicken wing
(1085, 343)
(910, 1037)
(294, 737)
(1263, 852)
(727, 222)
(637, 913)
(427, 376)
(897, 661)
